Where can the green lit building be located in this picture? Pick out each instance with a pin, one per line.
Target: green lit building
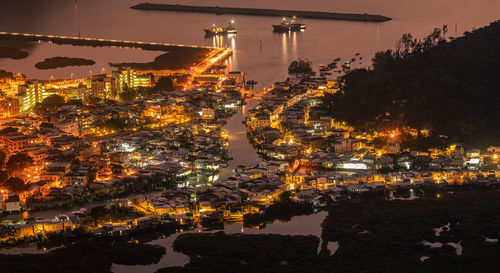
(128, 77)
(31, 93)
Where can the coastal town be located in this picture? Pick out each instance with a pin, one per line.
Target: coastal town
(99, 147)
(283, 136)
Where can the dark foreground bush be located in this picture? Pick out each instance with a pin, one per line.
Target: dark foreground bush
(83, 257)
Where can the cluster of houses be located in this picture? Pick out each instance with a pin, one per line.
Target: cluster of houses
(84, 151)
(289, 122)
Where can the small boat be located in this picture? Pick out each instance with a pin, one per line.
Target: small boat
(215, 30)
(62, 218)
(291, 25)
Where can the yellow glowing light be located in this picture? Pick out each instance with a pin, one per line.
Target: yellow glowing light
(495, 156)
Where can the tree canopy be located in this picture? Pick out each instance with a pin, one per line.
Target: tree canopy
(450, 87)
(6, 74)
(14, 184)
(3, 176)
(50, 104)
(3, 156)
(300, 67)
(172, 82)
(18, 162)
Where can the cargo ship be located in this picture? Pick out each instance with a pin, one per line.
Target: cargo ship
(215, 30)
(291, 25)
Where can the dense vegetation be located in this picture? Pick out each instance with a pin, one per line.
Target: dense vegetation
(172, 82)
(50, 104)
(12, 53)
(166, 83)
(57, 62)
(83, 257)
(219, 252)
(387, 236)
(14, 167)
(300, 67)
(178, 59)
(445, 84)
(5, 74)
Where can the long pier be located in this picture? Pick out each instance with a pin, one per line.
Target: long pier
(96, 42)
(265, 12)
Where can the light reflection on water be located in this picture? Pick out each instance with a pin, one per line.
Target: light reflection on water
(239, 148)
(259, 49)
(298, 225)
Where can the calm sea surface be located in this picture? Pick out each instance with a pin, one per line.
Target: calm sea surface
(321, 42)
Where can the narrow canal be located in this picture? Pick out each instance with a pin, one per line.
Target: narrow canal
(239, 147)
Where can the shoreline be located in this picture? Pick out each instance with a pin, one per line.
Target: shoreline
(265, 12)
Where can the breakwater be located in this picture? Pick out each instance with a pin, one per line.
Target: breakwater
(265, 12)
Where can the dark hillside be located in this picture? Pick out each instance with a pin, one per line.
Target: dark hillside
(451, 86)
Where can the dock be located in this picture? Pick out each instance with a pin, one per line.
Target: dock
(265, 12)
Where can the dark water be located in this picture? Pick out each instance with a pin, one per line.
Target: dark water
(320, 43)
(239, 148)
(298, 225)
(102, 56)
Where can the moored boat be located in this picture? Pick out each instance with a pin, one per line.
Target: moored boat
(216, 30)
(291, 25)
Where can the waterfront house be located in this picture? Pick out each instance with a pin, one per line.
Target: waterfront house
(12, 203)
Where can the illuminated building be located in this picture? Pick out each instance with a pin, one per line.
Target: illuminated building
(30, 94)
(258, 121)
(19, 142)
(129, 78)
(102, 87)
(237, 76)
(13, 203)
(208, 79)
(207, 113)
(153, 111)
(69, 93)
(9, 108)
(69, 126)
(86, 120)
